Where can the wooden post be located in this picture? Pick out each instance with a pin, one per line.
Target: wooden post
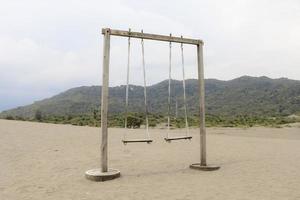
(203, 164)
(201, 104)
(104, 101)
(104, 173)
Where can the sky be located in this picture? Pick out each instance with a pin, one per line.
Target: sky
(49, 46)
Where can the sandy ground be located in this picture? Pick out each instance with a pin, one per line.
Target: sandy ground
(46, 161)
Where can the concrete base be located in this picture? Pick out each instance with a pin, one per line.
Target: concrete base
(198, 166)
(97, 175)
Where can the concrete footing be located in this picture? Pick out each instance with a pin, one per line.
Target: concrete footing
(97, 175)
(198, 166)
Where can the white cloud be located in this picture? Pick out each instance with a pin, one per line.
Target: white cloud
(49, 46)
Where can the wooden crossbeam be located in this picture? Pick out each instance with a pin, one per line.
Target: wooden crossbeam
(149, 36)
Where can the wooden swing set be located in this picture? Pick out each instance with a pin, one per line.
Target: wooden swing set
(105, 173)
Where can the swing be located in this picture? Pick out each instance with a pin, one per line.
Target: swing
(147, 139)
(186, 136)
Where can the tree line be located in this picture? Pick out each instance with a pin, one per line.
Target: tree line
(137, 120)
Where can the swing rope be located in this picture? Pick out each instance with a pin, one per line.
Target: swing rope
(127, 84)
(169, 139)
(145, 89)
(148, 140)
(184, 92)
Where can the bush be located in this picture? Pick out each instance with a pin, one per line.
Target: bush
(9, 117)
(134, 121)
(38, 115)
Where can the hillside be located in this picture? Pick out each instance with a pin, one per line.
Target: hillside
(241, 96)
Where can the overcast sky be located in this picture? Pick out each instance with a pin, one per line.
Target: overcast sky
(48, 46)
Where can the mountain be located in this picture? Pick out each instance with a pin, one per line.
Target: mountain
(241, 96)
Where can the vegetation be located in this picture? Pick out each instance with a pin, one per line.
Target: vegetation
(245, 101)
(38, 115)
(137, 120)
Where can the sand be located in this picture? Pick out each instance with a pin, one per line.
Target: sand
(47, 161)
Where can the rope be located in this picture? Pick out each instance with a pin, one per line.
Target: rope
(145, 90)
(127, 85)
(169, 89)
(184, 93)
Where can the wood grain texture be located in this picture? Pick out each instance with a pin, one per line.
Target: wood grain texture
(166, 38)
(201, 105)
(104, 101)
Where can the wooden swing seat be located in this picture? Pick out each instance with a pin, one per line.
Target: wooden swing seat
(178, 138)
(137, 141)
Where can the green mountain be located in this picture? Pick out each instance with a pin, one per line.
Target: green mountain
(260, 96)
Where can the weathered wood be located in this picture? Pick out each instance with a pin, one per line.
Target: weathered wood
(149, 36)
(201, 105)
(178, 138)
(104, 173)
(137, 141)
(104, 101)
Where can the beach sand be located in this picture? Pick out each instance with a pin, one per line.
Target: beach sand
(48, 161)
